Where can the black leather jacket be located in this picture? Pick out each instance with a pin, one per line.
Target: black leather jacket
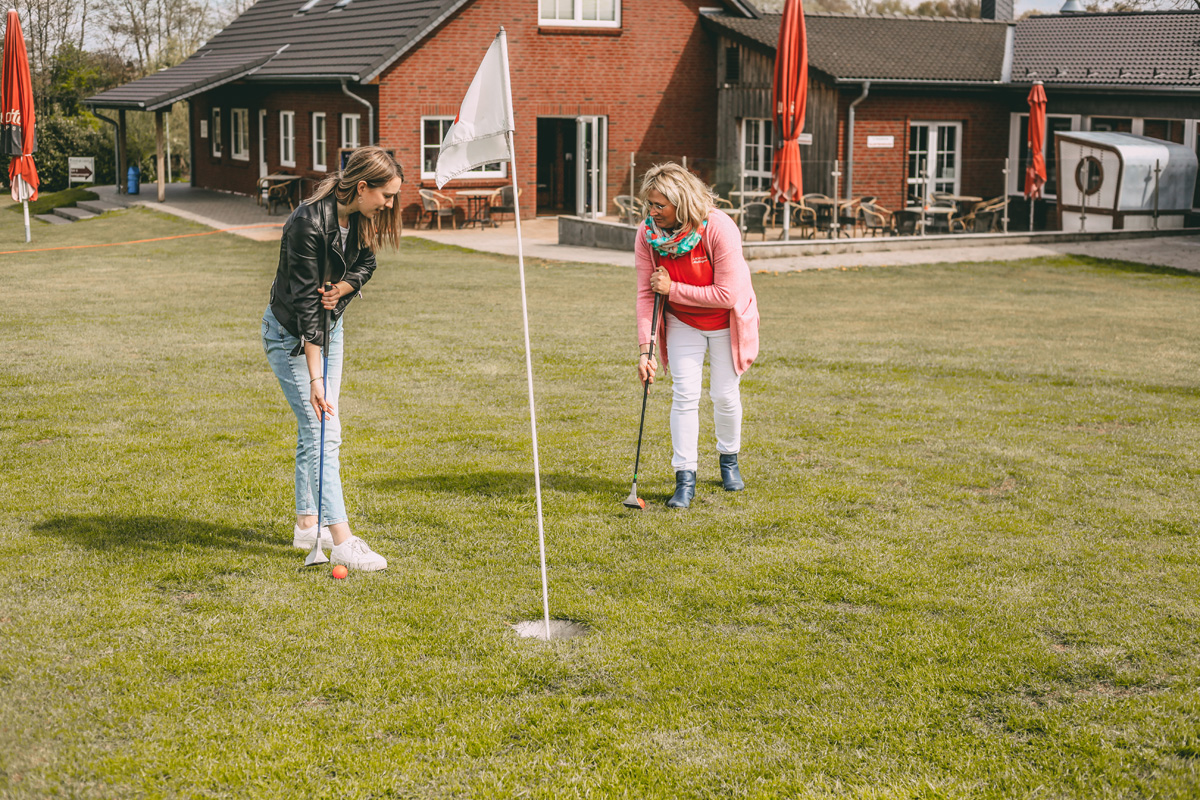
(310, 254)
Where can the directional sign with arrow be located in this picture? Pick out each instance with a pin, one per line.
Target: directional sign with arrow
(80, 170)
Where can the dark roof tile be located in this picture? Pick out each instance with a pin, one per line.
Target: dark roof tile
(888, 46)
(1135, 49)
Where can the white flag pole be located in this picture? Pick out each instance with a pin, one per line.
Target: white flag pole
(537, 475)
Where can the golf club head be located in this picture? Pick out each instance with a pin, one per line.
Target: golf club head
(633, 501)
(316, 555)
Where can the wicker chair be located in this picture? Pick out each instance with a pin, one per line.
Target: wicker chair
(754, 219)
(436, 205)
(630, 207)
(501, 202)
(876, 218)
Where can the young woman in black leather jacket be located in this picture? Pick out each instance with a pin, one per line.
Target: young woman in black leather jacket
(331, 237)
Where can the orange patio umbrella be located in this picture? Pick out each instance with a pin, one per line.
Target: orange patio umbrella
(17, 117)
(1035, 173)
(791, 97)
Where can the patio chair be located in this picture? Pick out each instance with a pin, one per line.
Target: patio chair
(848, 216)
(436, 205)
(501, 202)
(804, 218)
(876, 218)
(754, 216)
(629, 206)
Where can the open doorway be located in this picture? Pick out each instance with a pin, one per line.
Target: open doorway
(572, 165)
(555, 166)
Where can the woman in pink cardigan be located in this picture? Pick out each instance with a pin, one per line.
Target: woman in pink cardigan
(691, 253)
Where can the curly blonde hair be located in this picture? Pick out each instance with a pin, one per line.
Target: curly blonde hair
(692, 198)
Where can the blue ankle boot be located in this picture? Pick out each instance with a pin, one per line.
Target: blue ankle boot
(731, 476)
(685, 489)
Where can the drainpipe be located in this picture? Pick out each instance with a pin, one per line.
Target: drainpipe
(866, 88)
(370, 112)
(116, 149)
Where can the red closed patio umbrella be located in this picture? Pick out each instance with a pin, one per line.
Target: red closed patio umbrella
(17, 117)
(1035, 173)
(791, 97)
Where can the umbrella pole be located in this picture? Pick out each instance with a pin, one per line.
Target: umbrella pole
(1032, 201)
(787, 219)
(26, 204)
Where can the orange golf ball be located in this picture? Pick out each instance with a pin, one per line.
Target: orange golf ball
(340, 571)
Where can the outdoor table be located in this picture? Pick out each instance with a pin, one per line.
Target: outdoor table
(749, 195)
(963, 202)
(476, 205)
(824, 206)
(267, 182)
(933, 216)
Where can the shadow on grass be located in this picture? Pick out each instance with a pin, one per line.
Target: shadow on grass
(494, 483)
(113, 532)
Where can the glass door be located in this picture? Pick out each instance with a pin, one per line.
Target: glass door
(933, 160)
(591, 166)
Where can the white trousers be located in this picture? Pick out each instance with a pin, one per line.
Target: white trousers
(686, 347)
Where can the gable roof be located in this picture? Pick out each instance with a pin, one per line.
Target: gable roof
(315, 40)
(887, 47)
(1146, 49)
(195, 75)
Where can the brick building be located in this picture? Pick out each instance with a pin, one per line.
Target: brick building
(940, 103)
(290, 83)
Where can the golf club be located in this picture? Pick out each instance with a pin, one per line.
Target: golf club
(316, 555)
(633, 501)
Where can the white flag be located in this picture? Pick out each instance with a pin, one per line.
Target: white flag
(479, 133)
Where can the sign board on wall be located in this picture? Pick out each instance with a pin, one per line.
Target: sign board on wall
(881, 142)
(805, 138)
(203, 129)
(80, 170)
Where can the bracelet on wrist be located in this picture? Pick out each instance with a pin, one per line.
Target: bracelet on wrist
(314, 380)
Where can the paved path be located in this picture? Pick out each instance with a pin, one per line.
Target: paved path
(540, 238)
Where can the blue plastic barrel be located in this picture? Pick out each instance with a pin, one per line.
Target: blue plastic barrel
(135, 179)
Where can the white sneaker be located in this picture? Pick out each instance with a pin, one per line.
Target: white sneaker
(302, 538)
(355, 554)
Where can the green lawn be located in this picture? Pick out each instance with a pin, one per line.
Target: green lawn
(965, 566)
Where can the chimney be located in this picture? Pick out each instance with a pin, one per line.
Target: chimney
(996, 9)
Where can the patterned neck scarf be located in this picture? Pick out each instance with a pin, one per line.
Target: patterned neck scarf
(675, 244)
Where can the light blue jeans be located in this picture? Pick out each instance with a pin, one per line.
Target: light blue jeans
(292, 372)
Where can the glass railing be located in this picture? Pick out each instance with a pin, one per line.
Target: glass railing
(870, 198)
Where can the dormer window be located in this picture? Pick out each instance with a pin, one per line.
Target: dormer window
(580, 13)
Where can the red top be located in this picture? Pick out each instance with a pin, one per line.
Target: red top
(695, 269)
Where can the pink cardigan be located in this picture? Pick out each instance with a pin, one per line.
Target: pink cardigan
(731, 289)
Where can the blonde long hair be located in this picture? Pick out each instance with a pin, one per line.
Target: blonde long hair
(373, 165)
(692, 198)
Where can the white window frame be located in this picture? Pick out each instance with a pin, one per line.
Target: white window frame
(478, 172)
(319, 142)
(239, 134)
(932, 125)
(346, 129)
(214, 130)
(763, 130)
(577, 20)
(287, 138)
(1016, 170)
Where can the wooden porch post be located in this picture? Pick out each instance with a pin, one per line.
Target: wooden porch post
(122, 186)
(161, 162)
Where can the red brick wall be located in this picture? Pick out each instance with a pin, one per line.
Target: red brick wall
(883, 172)
(654, 78)
(229, 174)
